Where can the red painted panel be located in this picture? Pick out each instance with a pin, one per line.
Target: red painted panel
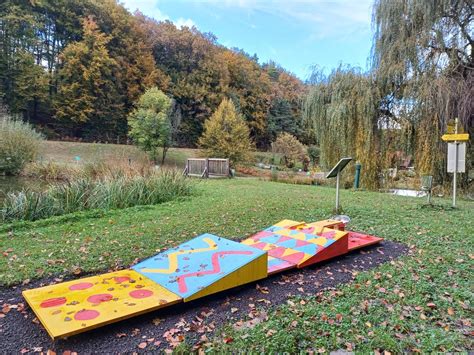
(339, 247)
(359, 240)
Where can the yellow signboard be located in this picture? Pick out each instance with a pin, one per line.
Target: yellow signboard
(460, 137)
(451, 127)
(76, 306)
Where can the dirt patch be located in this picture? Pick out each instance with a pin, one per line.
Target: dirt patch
(196, 320)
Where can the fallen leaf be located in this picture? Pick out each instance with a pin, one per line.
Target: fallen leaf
(271, 332)
(262, 289)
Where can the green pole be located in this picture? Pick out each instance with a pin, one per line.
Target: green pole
(358, 166)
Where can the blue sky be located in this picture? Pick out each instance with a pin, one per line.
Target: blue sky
(296, 34)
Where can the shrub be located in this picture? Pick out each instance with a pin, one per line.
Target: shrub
(19, 144)
(314, 153)
(85, 194)
(291, 149)
(226, 135)
(150, 125)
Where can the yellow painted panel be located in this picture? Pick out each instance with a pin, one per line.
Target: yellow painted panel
(252, 271)
(461, 137)
(320, 241)
(76, 306)
(320, 225)
(248, 241)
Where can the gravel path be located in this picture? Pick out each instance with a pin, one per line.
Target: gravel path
(196, 320)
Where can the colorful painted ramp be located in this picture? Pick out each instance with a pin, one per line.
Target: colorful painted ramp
(202, 266)
(299, 246)
(76, 306)
(206, 264)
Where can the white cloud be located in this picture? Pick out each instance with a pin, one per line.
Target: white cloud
(150, 8)
(181, 22)
(325, 18)
(147, 7)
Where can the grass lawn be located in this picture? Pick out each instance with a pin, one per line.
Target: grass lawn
(422, 302)
(65, 152)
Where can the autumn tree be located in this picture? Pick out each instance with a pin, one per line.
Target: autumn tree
(46, 49)
(342, 111)
(87, 94)
(290, 148)
(193, 74)
(226, 135)
(23, 81)
(250, 87)
(424, 66)
(150, 126)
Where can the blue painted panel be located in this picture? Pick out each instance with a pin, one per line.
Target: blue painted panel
(196, 264)
(275, 265)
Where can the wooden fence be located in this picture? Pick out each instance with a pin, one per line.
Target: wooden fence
(207, 167)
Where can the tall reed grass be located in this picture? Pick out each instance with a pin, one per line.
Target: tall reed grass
(99, 169)
(86, 193)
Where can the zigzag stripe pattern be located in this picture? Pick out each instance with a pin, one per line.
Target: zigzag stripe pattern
(216, 268)
(173, 258)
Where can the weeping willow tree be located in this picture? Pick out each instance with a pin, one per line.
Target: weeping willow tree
(423, 65)
(341, 111)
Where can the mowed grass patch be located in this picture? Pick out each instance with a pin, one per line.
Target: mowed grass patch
(420, 302)
(66, 153)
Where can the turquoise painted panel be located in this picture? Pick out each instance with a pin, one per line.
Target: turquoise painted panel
(197, 264)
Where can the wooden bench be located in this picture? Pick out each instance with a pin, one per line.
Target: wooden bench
(207, 167)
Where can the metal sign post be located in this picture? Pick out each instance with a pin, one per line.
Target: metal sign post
(455, 171)
(455, 163)
(336, 172)
(456, 152)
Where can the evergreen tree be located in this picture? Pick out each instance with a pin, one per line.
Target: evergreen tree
(281, 119)
(226, 135)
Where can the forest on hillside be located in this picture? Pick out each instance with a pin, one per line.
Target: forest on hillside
(75, 69)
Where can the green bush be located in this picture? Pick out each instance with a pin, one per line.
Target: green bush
(150, 124)
(291, 149)
(314, 153)
(85, 194)
(19, 144)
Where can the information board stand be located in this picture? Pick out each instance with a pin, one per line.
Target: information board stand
(336, 172)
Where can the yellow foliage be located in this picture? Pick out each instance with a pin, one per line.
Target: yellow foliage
(226, 135)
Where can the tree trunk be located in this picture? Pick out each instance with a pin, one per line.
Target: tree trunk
(165, 150)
